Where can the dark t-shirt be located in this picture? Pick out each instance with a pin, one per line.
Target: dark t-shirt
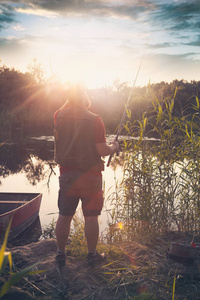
(99, 136)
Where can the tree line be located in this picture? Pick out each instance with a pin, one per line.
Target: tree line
(28, 100)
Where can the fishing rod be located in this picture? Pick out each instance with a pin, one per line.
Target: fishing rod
(124, 113)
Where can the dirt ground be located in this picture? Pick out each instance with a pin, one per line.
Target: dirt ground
(133, 271)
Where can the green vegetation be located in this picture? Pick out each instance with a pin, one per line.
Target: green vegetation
(28, 101)
(160, 191)
(6, 257)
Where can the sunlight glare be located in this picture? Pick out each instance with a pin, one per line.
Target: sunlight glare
(90, 79)
(120, 225)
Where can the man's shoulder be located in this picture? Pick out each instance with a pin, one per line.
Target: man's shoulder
(90, 114)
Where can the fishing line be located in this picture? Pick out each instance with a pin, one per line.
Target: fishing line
(118, 132)
(125, 109)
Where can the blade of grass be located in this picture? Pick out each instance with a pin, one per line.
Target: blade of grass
(174, 284)
(14, 279)
(3, 248)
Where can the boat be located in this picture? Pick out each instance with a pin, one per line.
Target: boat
(23, 208)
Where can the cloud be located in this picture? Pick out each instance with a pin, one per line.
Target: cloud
(7, 16)
(195, 42)
(177, 15)
(9, 43)
(18, 27)
(3, 41)
(160, 45)
(173, 15)
(178, 18)
(91, 29)
(107, 8)
(32, 10)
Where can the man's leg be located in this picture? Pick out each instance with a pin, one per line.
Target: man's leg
(62, 231)
(91, 232)
(92, 235)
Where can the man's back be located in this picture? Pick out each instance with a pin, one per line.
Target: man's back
(74, 139)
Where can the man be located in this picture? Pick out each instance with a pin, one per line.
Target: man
(79, 144)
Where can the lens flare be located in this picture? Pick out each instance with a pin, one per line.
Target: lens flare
(120, 225)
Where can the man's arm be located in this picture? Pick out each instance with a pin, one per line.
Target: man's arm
(104, 149)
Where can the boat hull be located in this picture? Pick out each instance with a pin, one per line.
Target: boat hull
(23, 208)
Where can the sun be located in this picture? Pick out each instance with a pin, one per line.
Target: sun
(79, 74)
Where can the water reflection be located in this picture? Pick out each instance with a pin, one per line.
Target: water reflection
(29, 167)
(34, 163)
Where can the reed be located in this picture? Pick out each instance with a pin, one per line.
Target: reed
(160, 190)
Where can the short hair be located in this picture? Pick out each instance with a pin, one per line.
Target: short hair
(77, 95)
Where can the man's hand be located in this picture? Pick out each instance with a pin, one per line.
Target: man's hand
(104, 149)
(115, 146)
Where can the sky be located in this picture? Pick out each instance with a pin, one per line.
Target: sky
(98, 42)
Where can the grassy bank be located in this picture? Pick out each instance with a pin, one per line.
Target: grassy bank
(138, 270)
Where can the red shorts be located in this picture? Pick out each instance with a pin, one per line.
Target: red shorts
(76, 185)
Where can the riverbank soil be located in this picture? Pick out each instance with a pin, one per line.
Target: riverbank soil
(133, 271)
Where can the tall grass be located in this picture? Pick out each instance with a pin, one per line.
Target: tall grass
(161, 185)
(6, 258)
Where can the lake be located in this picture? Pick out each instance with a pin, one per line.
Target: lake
(29, 167)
